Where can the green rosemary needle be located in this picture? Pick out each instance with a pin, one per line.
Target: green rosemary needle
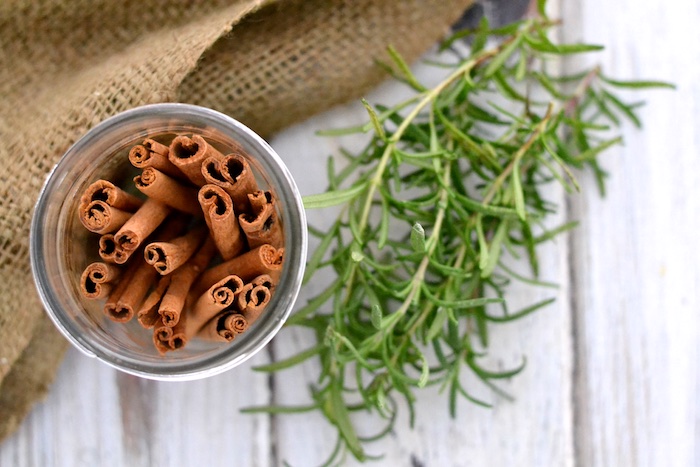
(452, 178)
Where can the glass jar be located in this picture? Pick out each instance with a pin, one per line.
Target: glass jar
(60, 247)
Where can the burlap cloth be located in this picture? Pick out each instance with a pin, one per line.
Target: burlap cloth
(65, 65)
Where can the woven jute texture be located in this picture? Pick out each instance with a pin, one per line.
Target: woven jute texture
(65, 65)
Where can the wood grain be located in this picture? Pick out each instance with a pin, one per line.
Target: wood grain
(636, 252)
(95, 415)
(612, 375)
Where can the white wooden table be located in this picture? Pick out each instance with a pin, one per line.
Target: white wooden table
(612, 375)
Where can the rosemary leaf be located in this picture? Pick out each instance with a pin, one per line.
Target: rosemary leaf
(453, 184)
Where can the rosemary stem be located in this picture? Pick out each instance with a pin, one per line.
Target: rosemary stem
(580, 90)
(375, 181)
(431, 243)
(539, 129)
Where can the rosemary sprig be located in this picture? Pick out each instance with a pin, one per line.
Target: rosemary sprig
(449, 181)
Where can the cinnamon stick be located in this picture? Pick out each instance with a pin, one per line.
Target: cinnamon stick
(180, 337)
(188, 154)
(148, 315)
(160, 187)
(262, 226)
(219, 297)
(264, 259)
(166, 257)
(182, 279)
(141, 225)
(155, 147)
(178, 340)
(103, 190)
(252, 301)
(221, 220)
(119, 289)
(233, 174)
(109, 250)
(266, 280)
(161, 337)
(236, 322)
(101, 218)
(141, 276)
(153, 154)
(224, 327)
(190, 323)
(97, 280)
(224, 292)
(129, 294)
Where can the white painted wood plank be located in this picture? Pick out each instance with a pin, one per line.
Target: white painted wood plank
(77, 424)
(534, 430)
(95, 415)
(201, 424)
(636, 253)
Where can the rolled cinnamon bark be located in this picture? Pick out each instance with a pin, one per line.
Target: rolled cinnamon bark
(173, 302)
(101, 218)
(160, 187)
(264, 259)
(266, 281)
(109, 250)
(219, 297)
(155, 147)
(155, 155)
(262, 226)
(188, 154)
(97, 280)
(103, 190)
(178, 340)
(211, 171)
(225, 291)
(141, 225)
(192, 321)
(161, 337)
(166, 257)
(129, 294)
(236, 323)
(224, 327)
(148, 315)
(119, 289)
(252, 301)
(174, 299)
(221, 220)
(180, 337)
(233, 174)
(259, 199)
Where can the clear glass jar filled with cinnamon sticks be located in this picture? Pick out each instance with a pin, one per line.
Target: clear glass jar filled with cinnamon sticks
(169, 242)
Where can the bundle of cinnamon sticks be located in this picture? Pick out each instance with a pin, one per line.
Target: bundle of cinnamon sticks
(199, 256)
